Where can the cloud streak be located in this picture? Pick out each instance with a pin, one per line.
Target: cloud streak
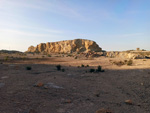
(57, 7)
(5, 32)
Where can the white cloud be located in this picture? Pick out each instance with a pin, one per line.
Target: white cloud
(5, 32)
(131, 35)
(58, 7)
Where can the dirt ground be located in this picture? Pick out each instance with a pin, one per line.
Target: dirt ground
(44, 89)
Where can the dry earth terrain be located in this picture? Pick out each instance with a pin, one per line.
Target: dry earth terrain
(44, 89)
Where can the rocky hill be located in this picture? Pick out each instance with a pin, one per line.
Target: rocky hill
(10, 52)
(128, 54)
(67, 46)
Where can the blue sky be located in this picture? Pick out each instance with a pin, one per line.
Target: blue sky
(113, 24)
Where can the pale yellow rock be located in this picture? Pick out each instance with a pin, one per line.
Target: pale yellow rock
(68, 46)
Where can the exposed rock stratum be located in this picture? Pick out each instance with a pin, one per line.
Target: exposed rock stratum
(67, 46)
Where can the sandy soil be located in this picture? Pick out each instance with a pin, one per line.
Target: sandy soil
(76, 90)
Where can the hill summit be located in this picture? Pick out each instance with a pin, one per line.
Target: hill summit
(67, 46)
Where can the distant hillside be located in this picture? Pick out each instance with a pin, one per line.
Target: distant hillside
(11, 52)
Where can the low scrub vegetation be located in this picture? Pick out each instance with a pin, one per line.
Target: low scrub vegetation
(58, 67)
(125, 62)
(49, 55)
(99, 69)
(28, 68)
(75, 57)
(92, 70)
(82, 65)
(129, 63)
(6, 58)
(63, 70)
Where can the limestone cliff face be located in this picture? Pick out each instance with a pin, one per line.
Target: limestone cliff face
(68, 46)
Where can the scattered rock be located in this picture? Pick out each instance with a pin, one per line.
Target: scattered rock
(11, 65)
(16, 67)
(52, 85)
(60, 110)
(139, 104)
(97, 94)
(103, 111)
(68, 101)
(129, 102)
(48, 85)
(4, 77)
(39, 84)
(2, 85)
(69, 74)
(32, 111)
(142, 84)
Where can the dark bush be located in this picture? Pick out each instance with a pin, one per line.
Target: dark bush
(92, 70)
(99, 68)
(58, 67)
(102, 70)
(82, 65)
(63, 70)
(75, 57)
(28, 68)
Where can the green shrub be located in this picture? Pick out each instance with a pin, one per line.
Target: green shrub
(58, 67)
(82, 65)
(75, 57)
(87, 65)
(69, 55)
(130, 62)
(92, 70)
(63, 70)
(6, 58)
(125, 62)
(99, 69)
(102, 70)
(28, 68)
(49, 55)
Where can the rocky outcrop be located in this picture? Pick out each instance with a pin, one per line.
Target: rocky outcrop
(128, 54)
(68, 46)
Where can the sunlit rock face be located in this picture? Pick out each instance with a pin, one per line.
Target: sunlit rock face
(67, 46)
